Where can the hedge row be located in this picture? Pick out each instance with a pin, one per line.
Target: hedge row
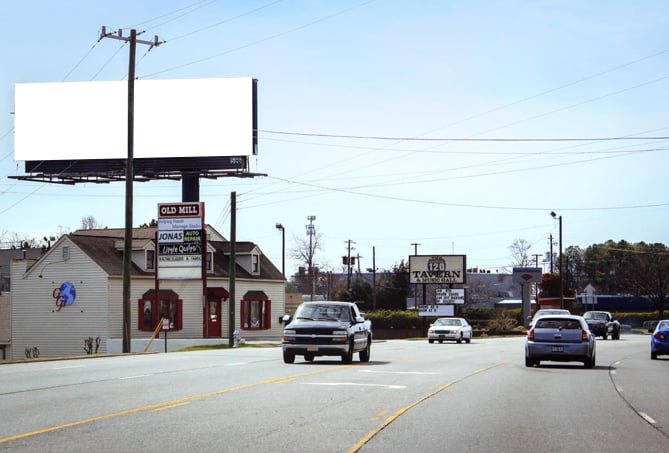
(490, 319)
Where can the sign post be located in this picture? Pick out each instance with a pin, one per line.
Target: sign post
(166, 327)
(524, 276)
(590, 296)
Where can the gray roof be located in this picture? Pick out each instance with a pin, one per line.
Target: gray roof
(102, 247)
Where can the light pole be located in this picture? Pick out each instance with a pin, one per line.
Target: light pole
(559, 217)
(283, 249)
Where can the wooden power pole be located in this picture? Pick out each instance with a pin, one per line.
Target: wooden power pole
(129, 173)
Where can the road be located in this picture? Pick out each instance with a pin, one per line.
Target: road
(411, 396)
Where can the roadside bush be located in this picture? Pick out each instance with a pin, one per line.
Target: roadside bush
(490, 319)
(393, 319)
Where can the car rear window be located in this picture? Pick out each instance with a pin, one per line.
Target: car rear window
(448, 322)
(551, 323)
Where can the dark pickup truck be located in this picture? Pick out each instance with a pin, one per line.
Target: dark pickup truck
(602, 324)
(329, 328)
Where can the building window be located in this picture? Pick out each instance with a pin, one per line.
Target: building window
(66, 253)
(150, 259)
(210, 261)
(151, 311)
(255, 266)
(256, 314)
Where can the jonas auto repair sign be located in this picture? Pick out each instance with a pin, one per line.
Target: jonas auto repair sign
(180, 240)
(437, 269)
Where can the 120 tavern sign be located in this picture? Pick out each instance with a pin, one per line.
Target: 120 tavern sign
(437, 269)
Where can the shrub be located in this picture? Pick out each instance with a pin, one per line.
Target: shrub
(393, 319)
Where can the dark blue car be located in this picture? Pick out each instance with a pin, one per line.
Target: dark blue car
(659, 342)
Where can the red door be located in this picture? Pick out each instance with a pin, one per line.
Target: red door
(214, 319)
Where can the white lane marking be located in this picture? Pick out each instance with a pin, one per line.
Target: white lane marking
(236, 364)
(135, 377)
(357, 384)
(68, 367)
(397, 372)
(647, 418)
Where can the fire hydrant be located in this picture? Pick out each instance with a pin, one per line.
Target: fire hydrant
(236, 338)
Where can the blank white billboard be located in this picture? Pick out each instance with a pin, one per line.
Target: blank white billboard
(172, 118)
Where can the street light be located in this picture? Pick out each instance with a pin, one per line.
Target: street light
(561, 259)
(283, 249)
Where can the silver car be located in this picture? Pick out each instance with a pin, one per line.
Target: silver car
(453, 329)
(547, 311)
(560, 338)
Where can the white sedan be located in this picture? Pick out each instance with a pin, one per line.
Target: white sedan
(454, 329)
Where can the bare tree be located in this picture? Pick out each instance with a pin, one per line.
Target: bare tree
(304, 251)
(90, 223)
(15, 240)
(520, 252)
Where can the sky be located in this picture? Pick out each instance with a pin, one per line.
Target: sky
(438, 127)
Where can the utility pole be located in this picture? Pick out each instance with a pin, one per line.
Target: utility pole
(129, 173)
(415, 285)
(536, 285)
(348, 267)
(373, 278)
(311, 230)
(550, 238)
(233, 269)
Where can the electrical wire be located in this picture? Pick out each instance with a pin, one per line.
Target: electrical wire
(267, 5)
(193, 7)
(460, 139)
(260, 41)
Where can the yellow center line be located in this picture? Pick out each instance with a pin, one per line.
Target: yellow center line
(358, 445)
(167, 404)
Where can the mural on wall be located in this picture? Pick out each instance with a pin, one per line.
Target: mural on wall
(64, 295)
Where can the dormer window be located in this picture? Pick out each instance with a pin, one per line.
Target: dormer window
(255, 264)
(210, 261)
(150, 259)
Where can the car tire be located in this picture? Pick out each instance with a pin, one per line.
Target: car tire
(531, 362)
(288, 357)
(365, 353)
(430, 341)
(347, 357)
(653, 355)
(441, 341)
(309, 357)
(468, 340)
(589, 363)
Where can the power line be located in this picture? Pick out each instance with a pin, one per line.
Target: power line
(262, 40)
(193, 7)
(464, 205)
(267, 5)
(459, 139)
